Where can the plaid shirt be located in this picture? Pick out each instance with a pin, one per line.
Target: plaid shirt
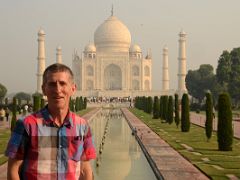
(50, 152)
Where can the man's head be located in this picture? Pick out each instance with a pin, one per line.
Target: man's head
(57, 67)
(58, 85)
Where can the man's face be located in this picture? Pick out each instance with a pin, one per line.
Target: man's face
(58, 89)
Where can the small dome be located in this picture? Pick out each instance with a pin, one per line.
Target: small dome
(90, 48)
(135, 48)
(182, 33)
(112, 35)
(41, 32)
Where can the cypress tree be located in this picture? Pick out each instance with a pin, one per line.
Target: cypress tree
(71, 105)
(209, 115)
(77, 104)
(176, 109)
(170, 110)
(42, 103)
(14, 114)
(156, 107)
(165, 107)
(85, 103)
(149, 104)
(185, 119)
(161, 108)
(225, 131)
(36, 102)
(81, 103)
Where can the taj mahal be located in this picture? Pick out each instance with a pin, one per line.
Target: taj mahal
(113, 67)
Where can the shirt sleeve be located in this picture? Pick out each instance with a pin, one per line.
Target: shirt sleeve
(18, 140)
(89, 151)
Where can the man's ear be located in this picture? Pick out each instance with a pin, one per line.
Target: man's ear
(74, 88)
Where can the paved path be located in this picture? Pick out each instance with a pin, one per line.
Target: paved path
(200, 119)
(168, 162)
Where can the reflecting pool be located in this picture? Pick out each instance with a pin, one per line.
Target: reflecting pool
(119, 155)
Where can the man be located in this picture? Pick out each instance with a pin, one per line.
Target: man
(52, 143)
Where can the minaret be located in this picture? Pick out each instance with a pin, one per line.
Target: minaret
(165, 75)
(59, 55)
(182, 63)
(41, 59)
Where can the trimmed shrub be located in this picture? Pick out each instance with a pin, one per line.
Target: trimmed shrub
(170, 110)
(81, 105)
(14, 114)
(165, 108)
(161, 107)
(209, 115)
(176, 110)
(185, 118)
(149, 104)
(225, 131)
(85, 103)
(36, 103)
(156, 107)
(42, 103)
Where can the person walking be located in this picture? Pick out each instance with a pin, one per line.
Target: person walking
(53, 143)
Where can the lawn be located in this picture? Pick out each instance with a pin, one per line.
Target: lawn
(4, 136)
(205, 155)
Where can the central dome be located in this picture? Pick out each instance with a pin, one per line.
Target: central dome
(112, 36)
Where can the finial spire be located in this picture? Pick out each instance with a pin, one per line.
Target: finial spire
(112, 10)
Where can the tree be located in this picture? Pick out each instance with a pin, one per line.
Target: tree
(165, 107)
(156, 107)
(170, 110)
(3, 92)
(23, 96)
(161, 107)
(42, 103)
(36, 103)
(223, 70)
(234, 83)
(225, 131)
(198, 81)
(149, 104)
(185, 118)
(77, 104)
(71, 105)
(14, 114)
(176, 110)
(81, 106)
(209, 115)
(85, 103)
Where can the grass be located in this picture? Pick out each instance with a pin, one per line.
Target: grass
(229, 161)
(4, 136)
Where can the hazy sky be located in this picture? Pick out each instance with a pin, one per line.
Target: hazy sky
(211, 26)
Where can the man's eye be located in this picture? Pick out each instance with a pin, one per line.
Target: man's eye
(62, 83)
(51, 84)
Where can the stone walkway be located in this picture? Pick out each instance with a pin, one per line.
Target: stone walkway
(168, 162)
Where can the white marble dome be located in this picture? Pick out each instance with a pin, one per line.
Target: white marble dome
(90, 48)
(112, 36)
(135, 48)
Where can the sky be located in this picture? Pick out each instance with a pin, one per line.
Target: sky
(211, 26)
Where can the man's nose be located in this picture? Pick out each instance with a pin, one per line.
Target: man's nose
(58, 87)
